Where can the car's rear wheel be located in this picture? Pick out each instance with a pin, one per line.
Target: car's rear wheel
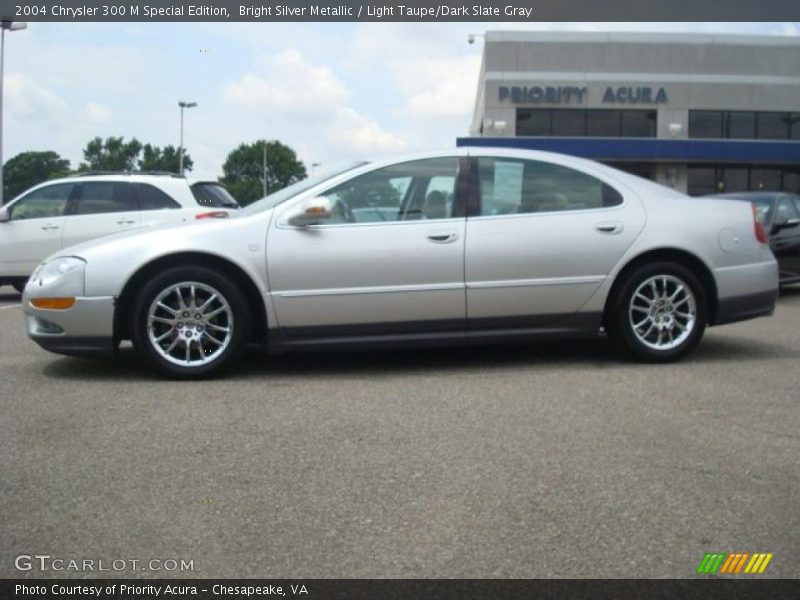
(190, 322)
(19, 284)
(659, 313)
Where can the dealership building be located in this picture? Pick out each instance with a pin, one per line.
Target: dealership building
(700, 113)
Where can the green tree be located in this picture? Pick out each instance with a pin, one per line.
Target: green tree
(243, 171)
(29, 168)
(111, 154)
(163, 159)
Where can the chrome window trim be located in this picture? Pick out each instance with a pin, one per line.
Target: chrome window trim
(284, 225)
(552, 212)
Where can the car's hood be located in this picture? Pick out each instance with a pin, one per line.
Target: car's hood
(193, 232)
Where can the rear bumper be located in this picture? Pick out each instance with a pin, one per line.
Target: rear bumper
(746, 292)
(741, 308)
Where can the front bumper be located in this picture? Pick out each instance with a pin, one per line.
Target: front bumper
(86, 329)
(746, 292)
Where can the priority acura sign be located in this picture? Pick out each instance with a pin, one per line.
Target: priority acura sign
(536, 94)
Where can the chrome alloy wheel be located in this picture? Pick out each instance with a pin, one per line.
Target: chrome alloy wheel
(190, 323)
(662, 312)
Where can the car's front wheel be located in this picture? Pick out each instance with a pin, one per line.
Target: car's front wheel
(659, 313)
(190, 322)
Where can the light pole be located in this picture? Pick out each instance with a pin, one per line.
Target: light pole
(264, 167)
(183, 105)
(10, 26)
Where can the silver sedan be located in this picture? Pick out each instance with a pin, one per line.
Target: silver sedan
(470, 245)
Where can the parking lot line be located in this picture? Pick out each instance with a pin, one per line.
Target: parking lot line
(10, 306)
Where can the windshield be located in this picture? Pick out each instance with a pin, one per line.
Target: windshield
(298, 187)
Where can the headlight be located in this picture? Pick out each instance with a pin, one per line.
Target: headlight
(64, 275)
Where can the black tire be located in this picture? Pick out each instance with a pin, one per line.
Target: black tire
(19, 285)
(207, 279)
(619, 321)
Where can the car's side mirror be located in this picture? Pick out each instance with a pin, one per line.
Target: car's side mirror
(4, 216)
(311, 212)
(788, 224)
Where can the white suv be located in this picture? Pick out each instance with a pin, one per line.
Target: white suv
(64, 212)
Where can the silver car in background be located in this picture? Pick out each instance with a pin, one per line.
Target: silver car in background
(468, 245)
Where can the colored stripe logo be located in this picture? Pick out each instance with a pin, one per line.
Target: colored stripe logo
(734, 563)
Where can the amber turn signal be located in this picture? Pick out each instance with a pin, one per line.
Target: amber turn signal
(53, 303)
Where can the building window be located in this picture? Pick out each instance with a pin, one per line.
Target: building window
(735, 179)
(765, 179)
(639, 123)
(534, 122)
(641, 169)
(793, 120)
(565, 122)
(772, 126)
(569, 123)
(740, 125)
(719, 179)
(744, 125)
(705, 124)
(603, 123)
(702, 180)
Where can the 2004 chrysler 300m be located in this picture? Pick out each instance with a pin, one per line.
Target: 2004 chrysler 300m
(466, 245)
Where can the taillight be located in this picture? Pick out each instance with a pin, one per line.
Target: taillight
(761, 235)
(214, 214)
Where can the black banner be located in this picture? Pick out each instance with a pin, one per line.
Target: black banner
(391, 589)
(410, 10)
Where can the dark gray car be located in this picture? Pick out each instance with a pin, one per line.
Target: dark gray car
(779, 213)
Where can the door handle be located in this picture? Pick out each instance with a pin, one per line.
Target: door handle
(442, 237)
(126, 221)
(610, 227)
(49, 227)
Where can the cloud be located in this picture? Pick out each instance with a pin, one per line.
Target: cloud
(306, 104)
(97, 113)
(27, 100)
(437, 88)
(361, 135)
(292, 83)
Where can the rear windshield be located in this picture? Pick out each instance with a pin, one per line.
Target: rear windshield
(213, 195)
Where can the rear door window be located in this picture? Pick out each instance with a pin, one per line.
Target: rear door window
(152, 198)
(101, 197)
(515, 186)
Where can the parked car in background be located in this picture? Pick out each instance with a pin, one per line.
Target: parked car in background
(779, 213)
(64, 212)
(470, 245)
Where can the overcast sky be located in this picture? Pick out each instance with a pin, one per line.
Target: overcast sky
(330, 91)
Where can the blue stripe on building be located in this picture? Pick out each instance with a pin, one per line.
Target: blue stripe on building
(693, 150)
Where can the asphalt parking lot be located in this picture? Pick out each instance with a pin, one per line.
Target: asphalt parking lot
(561, 460)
